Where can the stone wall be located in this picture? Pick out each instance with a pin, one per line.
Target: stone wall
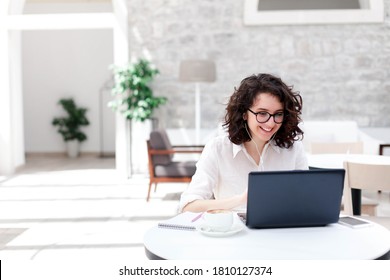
(342, 71)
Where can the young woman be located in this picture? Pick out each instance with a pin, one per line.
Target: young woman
(261, 119)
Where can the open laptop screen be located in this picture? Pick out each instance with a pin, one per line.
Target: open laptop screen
(294, 198)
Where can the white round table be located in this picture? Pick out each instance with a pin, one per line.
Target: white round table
(332, 242)
(337, 161)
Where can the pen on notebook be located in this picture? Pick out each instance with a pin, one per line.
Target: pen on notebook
(197, 217)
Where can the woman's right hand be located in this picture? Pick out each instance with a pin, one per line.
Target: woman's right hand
(226, 203)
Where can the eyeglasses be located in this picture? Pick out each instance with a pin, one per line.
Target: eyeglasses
(263, 117)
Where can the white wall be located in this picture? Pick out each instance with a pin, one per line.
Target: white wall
(60, 64)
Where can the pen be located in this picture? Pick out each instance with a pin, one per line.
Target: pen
(197, 217)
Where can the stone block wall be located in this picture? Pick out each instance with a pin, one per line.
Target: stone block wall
(341, 70)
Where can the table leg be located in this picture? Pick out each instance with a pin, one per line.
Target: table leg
(152, 256)
(356, 201)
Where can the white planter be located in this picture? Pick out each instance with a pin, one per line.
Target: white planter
(139, 133)
(73, 148)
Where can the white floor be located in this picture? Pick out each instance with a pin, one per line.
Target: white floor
(58, 207)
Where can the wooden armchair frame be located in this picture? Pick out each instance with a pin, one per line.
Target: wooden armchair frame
(175, 150)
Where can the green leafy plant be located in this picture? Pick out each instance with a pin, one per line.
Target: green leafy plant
(69, 126)
(134, 98)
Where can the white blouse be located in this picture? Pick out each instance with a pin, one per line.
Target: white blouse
(223, 168)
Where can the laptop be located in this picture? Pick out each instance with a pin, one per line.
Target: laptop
(295, 198)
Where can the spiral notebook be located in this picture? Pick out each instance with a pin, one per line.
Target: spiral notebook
(183, 221)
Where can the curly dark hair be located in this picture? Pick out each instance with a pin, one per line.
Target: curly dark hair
(243, 98)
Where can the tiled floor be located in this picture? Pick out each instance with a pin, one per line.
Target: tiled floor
(59, 207)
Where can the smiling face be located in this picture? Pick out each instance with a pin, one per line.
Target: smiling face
(264, 103)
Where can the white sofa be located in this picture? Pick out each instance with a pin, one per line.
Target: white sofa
(315, 131)
(337, 131)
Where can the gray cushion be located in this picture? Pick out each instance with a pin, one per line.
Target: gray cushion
(176, 169)
(159, 141)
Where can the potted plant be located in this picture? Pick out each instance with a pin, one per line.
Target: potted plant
(134, 99)
(69, 126)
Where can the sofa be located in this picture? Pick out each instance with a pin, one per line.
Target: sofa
(315, 131)
(337, 131)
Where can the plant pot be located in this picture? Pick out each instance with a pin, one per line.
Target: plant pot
(73, 148)
(140, 132)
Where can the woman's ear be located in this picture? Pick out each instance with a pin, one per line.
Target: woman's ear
(244, 116)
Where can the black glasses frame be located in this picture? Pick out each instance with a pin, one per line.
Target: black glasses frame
(269, 116)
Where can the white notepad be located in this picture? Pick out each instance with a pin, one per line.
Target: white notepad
(183, 221)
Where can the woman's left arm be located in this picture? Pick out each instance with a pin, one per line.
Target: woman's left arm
(301, 158)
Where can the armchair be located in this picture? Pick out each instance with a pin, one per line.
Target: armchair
(162, 167)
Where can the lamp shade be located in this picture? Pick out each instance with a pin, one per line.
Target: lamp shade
(197, 71)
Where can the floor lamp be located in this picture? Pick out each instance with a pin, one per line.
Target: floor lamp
(197, 71)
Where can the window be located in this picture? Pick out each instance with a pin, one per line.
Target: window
(285, 12)
(277, 5)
